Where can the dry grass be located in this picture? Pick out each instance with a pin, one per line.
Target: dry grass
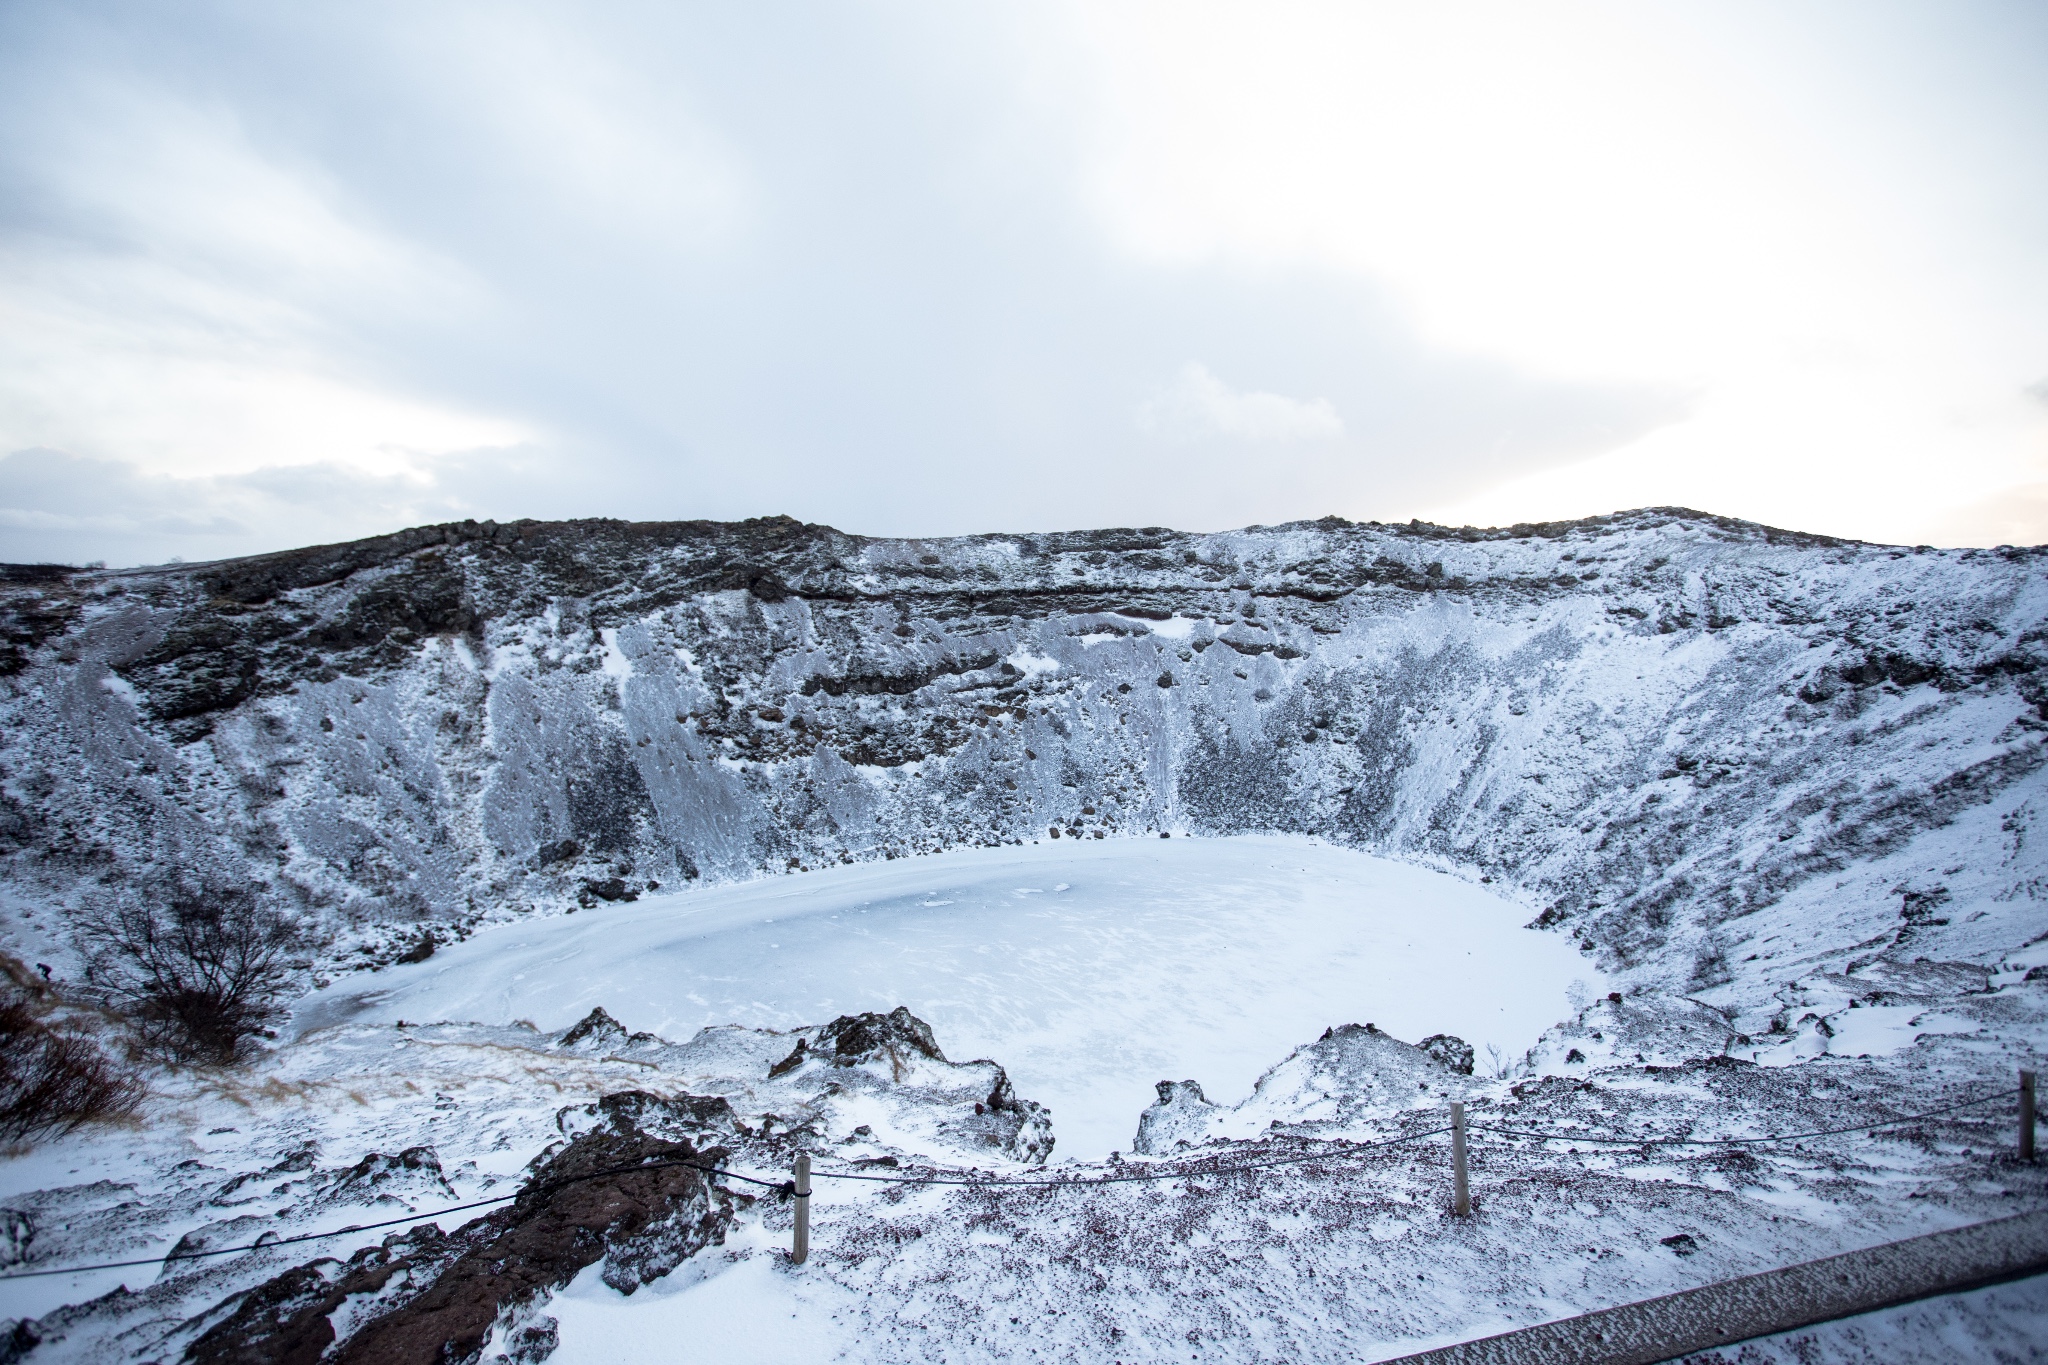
(51, 1082)
(199, 974)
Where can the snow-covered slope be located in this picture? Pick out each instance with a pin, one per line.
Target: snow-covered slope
(1779, 790)
(1684, 739)
(1338, 1245)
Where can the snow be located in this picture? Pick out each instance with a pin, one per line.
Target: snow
(744, 1312)
(615, 663)
(1033, 665)
(1090, 970)
(1784, 790)
(1353, 1258)
(1882, 1030)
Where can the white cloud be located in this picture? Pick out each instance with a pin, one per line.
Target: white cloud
(613, 142)
(1199, 405)
(909, 268)
(1808, 223)
(59, 507)
(1839, 442)
(1562, 183)
(192, 329)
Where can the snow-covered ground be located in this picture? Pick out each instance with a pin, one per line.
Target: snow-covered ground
(1351, 1255)
(753, 1316)
(1091, 970)
(1783, 791)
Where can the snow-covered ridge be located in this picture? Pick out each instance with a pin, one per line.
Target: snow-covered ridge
(1783, 788)
(1295, 1225)
(1674, 733)
(1685, 740)
(441, 1116)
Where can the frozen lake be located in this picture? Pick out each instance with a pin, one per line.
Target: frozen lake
(1089, 970)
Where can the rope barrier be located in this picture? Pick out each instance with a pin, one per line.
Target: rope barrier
(1027, 1183)
(1742, 1141)
(787, 1188)
(548, 1188)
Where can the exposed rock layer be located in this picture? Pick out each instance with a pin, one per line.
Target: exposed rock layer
(432, 1298)
(1653, 724)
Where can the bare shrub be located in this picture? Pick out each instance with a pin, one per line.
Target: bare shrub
(200, 974)
(51, 1082)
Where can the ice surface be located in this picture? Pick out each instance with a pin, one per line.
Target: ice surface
(1090, 970)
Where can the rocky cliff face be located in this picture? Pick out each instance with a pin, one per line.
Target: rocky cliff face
(1667, 730)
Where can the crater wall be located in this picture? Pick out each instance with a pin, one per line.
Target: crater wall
(1687, 741)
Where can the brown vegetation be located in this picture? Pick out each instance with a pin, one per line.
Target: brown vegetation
(51, 1082)
(200, 974)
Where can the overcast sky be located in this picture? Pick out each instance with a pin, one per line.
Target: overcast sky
(277, 274)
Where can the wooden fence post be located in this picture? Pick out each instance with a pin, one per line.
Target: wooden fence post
(2026, 1116)
(1461, 1196)
(800, 1249)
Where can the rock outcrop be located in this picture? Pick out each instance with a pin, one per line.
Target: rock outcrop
(1656, 726)
(894, 1056)
(428, 1298)
(1354, 1078)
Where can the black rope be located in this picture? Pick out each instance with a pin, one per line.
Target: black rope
(784, 1188)
(1135, 1177)
(787, 1188)
(548, 1188)
(1739, 1141)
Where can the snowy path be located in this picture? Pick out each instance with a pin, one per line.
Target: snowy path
(1089, 970)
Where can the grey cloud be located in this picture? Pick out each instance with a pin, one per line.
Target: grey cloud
(60, 508)
(826, 261)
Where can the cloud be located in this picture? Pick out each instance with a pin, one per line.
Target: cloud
(906, 269)
(1821, 227)
(2013, 516)
(56, 507)
(657, 264)
(1199, 405)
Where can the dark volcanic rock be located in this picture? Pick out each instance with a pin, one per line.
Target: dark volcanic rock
(437, 1298)
(1450, 1051)
(472, 718)
(595, 1032)
(288, 1320)
(422, 949)
(852, 1039)
(855, 1038)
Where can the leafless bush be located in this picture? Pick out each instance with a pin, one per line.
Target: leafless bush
(200, 974)
(51, 1082)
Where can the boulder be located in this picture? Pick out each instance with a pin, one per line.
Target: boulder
(1180, 1118)
(485, 1281)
